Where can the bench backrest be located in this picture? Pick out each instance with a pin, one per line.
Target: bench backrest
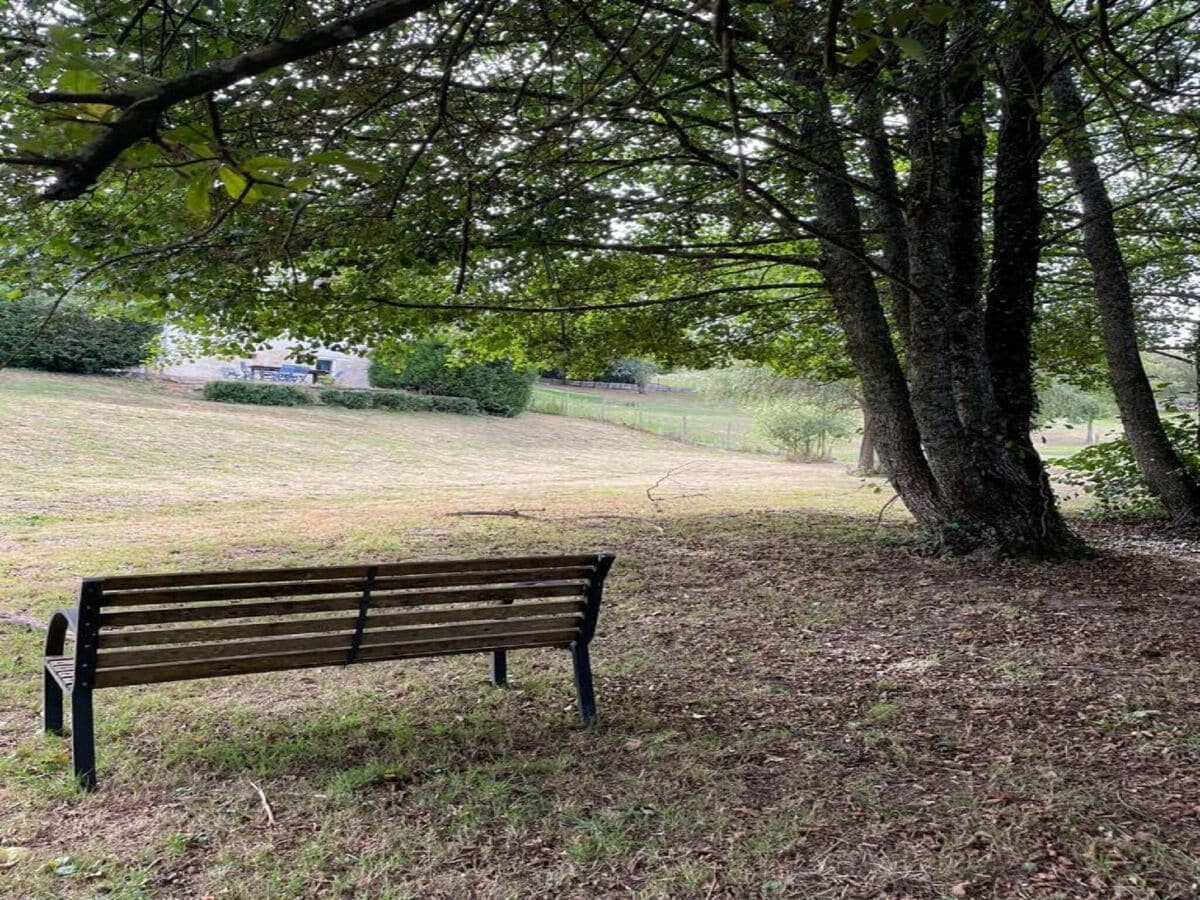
(141, 629)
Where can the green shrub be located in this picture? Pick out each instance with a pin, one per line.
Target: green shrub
(72, 341)
(399, 401)
(1108, 472)
(257, 393)
(803, 429)
(497, 386)
(630, 370)
(348, 399)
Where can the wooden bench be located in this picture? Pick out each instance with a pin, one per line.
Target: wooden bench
(145, 629)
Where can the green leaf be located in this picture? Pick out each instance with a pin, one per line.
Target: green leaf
(197, 199)
(911, 48)
(937, 13)
(861, 20)
(363, 168)
(80, 81)
(234, 182)
(65, 38)
(266, 164)
(862, 51)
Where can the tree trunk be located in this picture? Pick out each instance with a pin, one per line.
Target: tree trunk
(887, 209)
(1012, 280)
(868, 337)
(1161, 467)
(939, 438)
(996, 492)
(866, 449)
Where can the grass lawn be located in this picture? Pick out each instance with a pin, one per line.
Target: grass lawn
(794, 701)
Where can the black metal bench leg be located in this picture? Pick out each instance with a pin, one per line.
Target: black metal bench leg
(583, 684)
(83, 739)
(52, 704)
(500, 668)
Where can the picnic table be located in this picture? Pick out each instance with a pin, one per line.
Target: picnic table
(282, 373)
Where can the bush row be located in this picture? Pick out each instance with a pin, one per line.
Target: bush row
(262, 394)
(257, 393)
(399, 401)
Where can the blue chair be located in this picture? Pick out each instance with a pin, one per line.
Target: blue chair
(293, 372)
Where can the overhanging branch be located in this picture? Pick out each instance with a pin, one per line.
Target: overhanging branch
(143, 109)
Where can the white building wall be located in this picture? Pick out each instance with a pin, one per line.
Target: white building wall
(350, 369)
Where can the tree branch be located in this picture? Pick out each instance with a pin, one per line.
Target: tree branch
(143, 109)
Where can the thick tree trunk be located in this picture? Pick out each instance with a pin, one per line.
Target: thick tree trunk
(1012, 280)
(995, 488)
(1161, 467)
(868, 337)
(958, 481)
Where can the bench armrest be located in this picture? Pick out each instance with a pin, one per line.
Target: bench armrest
(63, 621)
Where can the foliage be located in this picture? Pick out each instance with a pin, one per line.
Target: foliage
(1060, 401)
(1173, 379)
(804, 429)
(72, 340)
(630, 370)
(431, 366)
(398, 401)
(1108, 472)
(257, 393)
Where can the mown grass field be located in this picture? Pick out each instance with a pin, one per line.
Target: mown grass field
(794, 700)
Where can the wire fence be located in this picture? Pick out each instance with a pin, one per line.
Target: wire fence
(705, 427)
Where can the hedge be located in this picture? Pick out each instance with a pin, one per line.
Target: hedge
(399, 401)
(497, 386)
(257, 393)
(72, 340)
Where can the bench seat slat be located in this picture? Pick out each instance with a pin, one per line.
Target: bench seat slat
(336, 604)
(248, 576)
(117, 677)
(340, 641)
(111, 640)
(295, 587)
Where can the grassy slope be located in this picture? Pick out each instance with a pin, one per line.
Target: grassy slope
(793, 704)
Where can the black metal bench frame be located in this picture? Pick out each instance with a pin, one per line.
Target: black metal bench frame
(74, 676)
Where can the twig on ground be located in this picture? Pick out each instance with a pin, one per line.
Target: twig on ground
(669, 476)
(266, 804)
(883, 509)
(507, 513)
